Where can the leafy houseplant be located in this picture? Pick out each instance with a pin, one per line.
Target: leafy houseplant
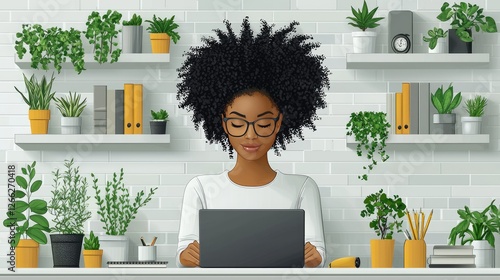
(52, 45)
(71, 108)
(161, 30)
(475, 108)
(92, 254)
(100, 32)
(158, 121)
(23, 210)
(445, 102)
(38, 100)
(363, 19)
(135, 20)
(434, 35)
(132, 35)
(371, 129)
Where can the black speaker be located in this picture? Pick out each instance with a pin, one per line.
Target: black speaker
(400, 32)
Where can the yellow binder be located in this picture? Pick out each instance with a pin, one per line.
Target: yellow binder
(406, 108)
(399, 113)
(128, 108)
(138, 108)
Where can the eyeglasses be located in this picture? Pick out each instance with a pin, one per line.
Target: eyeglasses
(264, 127)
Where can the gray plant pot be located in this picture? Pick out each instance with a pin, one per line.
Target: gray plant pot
(158, 127)
(66, 249)
(445, 123)
(71, 125)
(132, 39)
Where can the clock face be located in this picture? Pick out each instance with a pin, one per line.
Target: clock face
(401, 43)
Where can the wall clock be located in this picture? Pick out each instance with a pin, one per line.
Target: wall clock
(401, 43)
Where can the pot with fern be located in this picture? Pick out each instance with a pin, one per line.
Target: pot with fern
(116, 210)
(161, 30)
(69, 207)
(132, 35)
(71, 108)
(38, 99)
(92, 254)
(364, 41)
(445, 102)
(475, 108)
(158, 122)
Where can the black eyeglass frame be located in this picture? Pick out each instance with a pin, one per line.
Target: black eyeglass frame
(253, 125)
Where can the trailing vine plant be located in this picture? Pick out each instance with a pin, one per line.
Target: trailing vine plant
(100, 32)
(371, 130)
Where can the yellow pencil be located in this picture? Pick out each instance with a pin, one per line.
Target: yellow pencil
(422, 226)
(428, 222)
(411, 224)
(415, 215)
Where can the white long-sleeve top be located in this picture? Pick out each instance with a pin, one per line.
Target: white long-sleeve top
(286, 191)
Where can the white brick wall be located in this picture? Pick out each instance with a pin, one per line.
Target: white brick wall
(442, 177)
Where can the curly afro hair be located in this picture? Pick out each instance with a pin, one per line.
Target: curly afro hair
(278, 64)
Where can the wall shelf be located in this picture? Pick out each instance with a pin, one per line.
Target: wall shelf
(417, 60)
(432, 139)
(91, 141)
(125, 61)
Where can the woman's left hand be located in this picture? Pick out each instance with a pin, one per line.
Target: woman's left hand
(312, 258)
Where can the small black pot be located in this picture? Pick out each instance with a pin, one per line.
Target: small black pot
(455, 45)
(66, 249)
(158, 127)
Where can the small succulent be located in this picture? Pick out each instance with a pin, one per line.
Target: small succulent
(363, 19)
(475, 106)
(160, 115)
(91, 243)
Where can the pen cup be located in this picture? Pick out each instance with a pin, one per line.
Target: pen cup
(414, 254)
(146, 253)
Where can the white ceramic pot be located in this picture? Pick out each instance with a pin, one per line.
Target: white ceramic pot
(440, 47)
(364, 41)
(71, 125)
(471, 125)
(115, 248)
(485, 254)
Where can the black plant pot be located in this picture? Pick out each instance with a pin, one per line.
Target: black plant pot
(158, 127)
(66, 249)
(455, 45)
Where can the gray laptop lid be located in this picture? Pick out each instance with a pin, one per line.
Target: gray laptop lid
(251, 238)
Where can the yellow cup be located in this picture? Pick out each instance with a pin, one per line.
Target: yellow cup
(414, 254)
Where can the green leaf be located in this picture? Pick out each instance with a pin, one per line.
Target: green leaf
(21, 206)
(37, 235)
(38, 206)
(19, 194)
(21, 182)
(41, 220)
(36, 185)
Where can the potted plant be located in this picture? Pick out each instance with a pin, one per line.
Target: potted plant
(69, 206)
(132, 35)
(92, 254)
(100, 32)
(371, 129)
(39, 97)
(478, 228)
(475, 108)
(25, 217)
(161, 30)
(445, 103)
(436, 45)
(52, 45)
(158, 121)
(465, 16)
(116, 211)
(71, 108)
(388, 213)
(364, 41)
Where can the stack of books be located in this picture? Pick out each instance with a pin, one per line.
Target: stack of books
(452, 257)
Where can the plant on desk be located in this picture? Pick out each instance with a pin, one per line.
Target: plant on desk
(92, 254)
(388, 218)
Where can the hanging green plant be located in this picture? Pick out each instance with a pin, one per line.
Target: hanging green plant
(371, 130)
(52, 45)
(100, 32)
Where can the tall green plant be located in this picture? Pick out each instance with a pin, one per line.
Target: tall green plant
(115, 208)
(25, 209)
(475, 106)
(364, 19)
(69, 200)
(159, 25)
(39, 93)
(444, 101)
(371, 130)
(101, 31)
(71, 106)
(388, 213)
(52, 45)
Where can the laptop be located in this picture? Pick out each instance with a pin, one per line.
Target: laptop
(252, 238)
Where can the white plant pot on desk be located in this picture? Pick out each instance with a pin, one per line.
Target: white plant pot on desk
(115, 248)
(485, 254)
(364, 41)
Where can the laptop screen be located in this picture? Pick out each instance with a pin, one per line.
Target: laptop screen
(252, 238)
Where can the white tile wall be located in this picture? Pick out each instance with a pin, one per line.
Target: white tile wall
(439, 177)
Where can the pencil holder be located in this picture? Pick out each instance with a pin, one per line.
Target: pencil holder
(414, 253)
(146, 253)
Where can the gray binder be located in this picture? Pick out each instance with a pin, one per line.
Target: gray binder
(414, 108)
(424, 104)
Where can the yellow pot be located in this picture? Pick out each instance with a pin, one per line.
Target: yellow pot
(92, 258)
(160, 42)
(382, 252)
(39, 121)
(27, 253)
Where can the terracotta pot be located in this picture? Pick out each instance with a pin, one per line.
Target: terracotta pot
(39, 121)
(27, 253)
(382, 252)
(92, 258)
(160, 42)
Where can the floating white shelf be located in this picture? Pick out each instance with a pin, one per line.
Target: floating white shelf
(433, 139)
(125, 61)
(91, 141)
(416, 60)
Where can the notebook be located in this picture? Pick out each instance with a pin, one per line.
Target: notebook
(141, 264)
(271, 238)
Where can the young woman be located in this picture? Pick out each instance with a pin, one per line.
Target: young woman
(253, 94)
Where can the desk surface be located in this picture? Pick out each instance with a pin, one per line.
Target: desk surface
(255, 273)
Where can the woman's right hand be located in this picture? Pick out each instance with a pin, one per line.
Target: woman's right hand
(191, 255)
